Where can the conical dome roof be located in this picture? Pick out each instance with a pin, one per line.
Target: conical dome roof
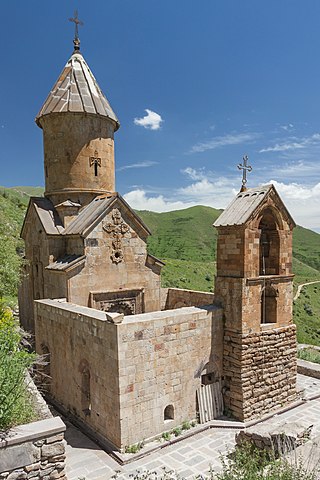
(76, 90)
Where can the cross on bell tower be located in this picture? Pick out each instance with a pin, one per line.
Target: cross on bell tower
(245, 168)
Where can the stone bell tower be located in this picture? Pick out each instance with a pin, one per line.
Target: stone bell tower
(78, 126)
(254, 285)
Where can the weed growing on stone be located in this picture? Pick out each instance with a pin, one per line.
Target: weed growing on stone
(134, 448)
(177, 431)
(166, 436)
(186, 425)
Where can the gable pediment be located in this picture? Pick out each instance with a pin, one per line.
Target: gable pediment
(247, 206)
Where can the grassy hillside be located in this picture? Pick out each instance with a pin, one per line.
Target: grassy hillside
(306, 310)
(306, 246)
(182, 234)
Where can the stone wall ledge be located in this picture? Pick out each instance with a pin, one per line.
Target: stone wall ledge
(309, 369)
(33, 431)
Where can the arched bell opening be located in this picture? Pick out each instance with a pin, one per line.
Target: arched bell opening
(269, 305)
(269, 257)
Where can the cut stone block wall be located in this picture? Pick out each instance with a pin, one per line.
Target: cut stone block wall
(80, 339)
(177, 297)
(35, 450)
(161, 359)
(137, 367)
(260, 371)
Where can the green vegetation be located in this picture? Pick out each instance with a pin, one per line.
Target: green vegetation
(166, 436)
(12, 210)
(188, 274)
(250, 463)
(182, 234)
(15, 404)
(306, 310)
(134, 448)
(306, 247)
(310, 355)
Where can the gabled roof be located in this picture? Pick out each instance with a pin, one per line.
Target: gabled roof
(47, 214)
(87, 218)
(245, 204)
(93, 213)
(66, 262)
(76, 90)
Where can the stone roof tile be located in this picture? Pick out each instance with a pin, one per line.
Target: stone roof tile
(76, 90)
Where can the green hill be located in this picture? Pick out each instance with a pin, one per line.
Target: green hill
(184, 239)
(188, 235)
(182, 234)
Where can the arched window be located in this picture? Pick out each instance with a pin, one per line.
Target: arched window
(269, 244)
(85, 388)
(269, 305)
(168, 413)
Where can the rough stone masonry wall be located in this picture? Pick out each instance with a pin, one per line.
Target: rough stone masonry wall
(260, 371)
(33, 451)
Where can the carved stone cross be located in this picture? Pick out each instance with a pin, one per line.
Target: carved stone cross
(245, 168)
(96, 161)
(118, 228)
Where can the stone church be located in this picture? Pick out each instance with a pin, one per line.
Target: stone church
(129, 359)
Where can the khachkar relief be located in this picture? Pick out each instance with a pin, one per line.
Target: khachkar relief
(118, 228)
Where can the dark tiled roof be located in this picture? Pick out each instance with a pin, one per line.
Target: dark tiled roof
(76, 90)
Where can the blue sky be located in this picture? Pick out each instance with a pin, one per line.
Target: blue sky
(196, 84)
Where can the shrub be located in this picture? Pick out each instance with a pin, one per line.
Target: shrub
(15, 402)
(249, 463)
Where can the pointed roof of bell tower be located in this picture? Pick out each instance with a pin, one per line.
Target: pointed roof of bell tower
(77, 91)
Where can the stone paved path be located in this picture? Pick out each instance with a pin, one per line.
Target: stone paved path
(189, 458)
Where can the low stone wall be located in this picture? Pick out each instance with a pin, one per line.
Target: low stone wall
(260, 371)
(172, 298)
(33, 451)
(308, 368)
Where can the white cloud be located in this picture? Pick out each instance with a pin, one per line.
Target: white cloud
(300, 169)
(138, 199)
(302, 202)
(294, 144)
(230, 139)
(287, 127)
(151, 121)
(195, 174)
(137, 165)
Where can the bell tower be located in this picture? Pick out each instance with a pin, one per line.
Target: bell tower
(78, 126)
(254, 285)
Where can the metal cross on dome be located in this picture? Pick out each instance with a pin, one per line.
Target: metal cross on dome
(76, 21)
(245, 168)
